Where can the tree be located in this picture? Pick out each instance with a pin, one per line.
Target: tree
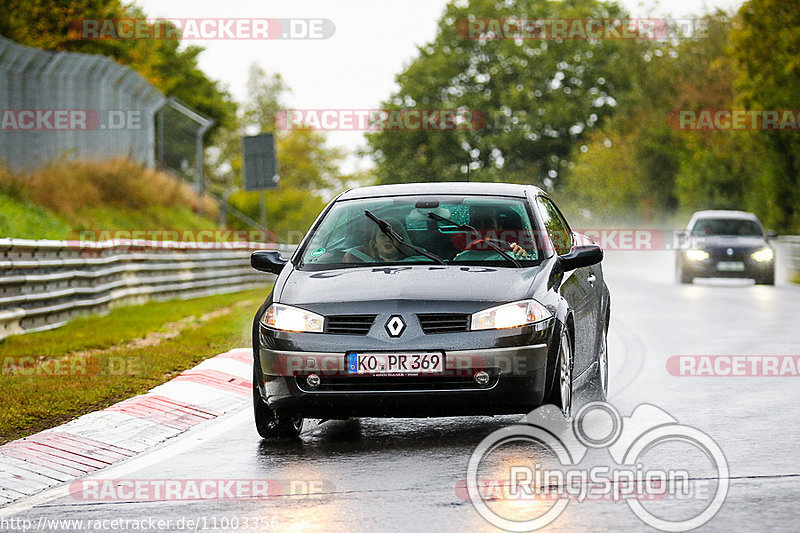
(766, 50)
(540, 97)
(669, 168)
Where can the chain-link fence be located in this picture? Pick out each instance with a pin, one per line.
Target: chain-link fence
(179, 141)
(64, 105)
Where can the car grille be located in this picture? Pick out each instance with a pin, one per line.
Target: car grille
(444, 322)
(349, 324)
(739, 254)
(395, 383)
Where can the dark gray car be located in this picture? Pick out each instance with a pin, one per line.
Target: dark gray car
(438, 299)
(725, 244)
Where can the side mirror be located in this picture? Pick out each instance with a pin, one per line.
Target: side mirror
(772, 234)
(267, 261)
(582, 256)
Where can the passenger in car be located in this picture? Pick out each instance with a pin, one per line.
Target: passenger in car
(380, 248)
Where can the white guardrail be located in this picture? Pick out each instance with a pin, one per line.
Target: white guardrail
(43, 284)
(790, 244)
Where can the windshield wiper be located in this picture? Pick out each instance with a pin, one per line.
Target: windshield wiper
(389, 231)
(487, 240)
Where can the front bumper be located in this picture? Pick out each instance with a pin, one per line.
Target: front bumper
(516, 361)
(710, 268)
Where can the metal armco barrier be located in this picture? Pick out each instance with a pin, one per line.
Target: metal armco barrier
(43, 284)
(790, 244)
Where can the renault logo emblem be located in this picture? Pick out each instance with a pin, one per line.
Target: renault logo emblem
(395, 326)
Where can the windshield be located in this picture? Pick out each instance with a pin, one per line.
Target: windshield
(475, 230)
(727, 226)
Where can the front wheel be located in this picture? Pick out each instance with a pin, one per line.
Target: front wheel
(561, 393)
(268, 423)
(681, 275)
(768, 279)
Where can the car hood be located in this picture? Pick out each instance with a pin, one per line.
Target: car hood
(428, 283)
(716, 242)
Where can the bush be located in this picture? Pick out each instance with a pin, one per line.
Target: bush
(70, 187)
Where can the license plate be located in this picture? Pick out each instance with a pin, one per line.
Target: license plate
(730, 266)
(394, 364)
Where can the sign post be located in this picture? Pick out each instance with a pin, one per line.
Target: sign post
(260, 168)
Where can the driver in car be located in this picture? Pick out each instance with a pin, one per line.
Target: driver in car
(485, 220)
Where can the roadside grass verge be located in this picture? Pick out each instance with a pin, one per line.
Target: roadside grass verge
(60, 200)
(25, 220)
(54, 376)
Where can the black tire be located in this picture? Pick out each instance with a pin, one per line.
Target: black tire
(561, 393)
(769, 279)
(268, 423)
(597, 387)
(681, 275)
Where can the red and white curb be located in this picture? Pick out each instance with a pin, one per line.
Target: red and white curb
(103, 438)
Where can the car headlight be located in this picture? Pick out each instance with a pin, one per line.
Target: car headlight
(697, 255)
(287, 318)
(511, 315)
(764, 255)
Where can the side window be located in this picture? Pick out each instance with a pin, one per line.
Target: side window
(555, 225)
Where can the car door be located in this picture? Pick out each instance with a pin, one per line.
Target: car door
(578, 287)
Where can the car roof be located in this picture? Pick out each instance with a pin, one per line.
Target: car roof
(719, 213)
(442, 187)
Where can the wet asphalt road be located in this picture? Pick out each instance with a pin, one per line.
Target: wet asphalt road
(402, 474)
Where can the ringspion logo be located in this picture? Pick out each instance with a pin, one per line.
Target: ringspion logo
(629, 441)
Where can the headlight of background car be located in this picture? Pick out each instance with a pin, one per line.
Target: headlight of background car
(697, 255)
(511, 315)
(763, 255)
(286, 318)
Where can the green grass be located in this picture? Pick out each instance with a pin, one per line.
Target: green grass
(149, 218)
(60, 200)
(24, 220)
(108, 361)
